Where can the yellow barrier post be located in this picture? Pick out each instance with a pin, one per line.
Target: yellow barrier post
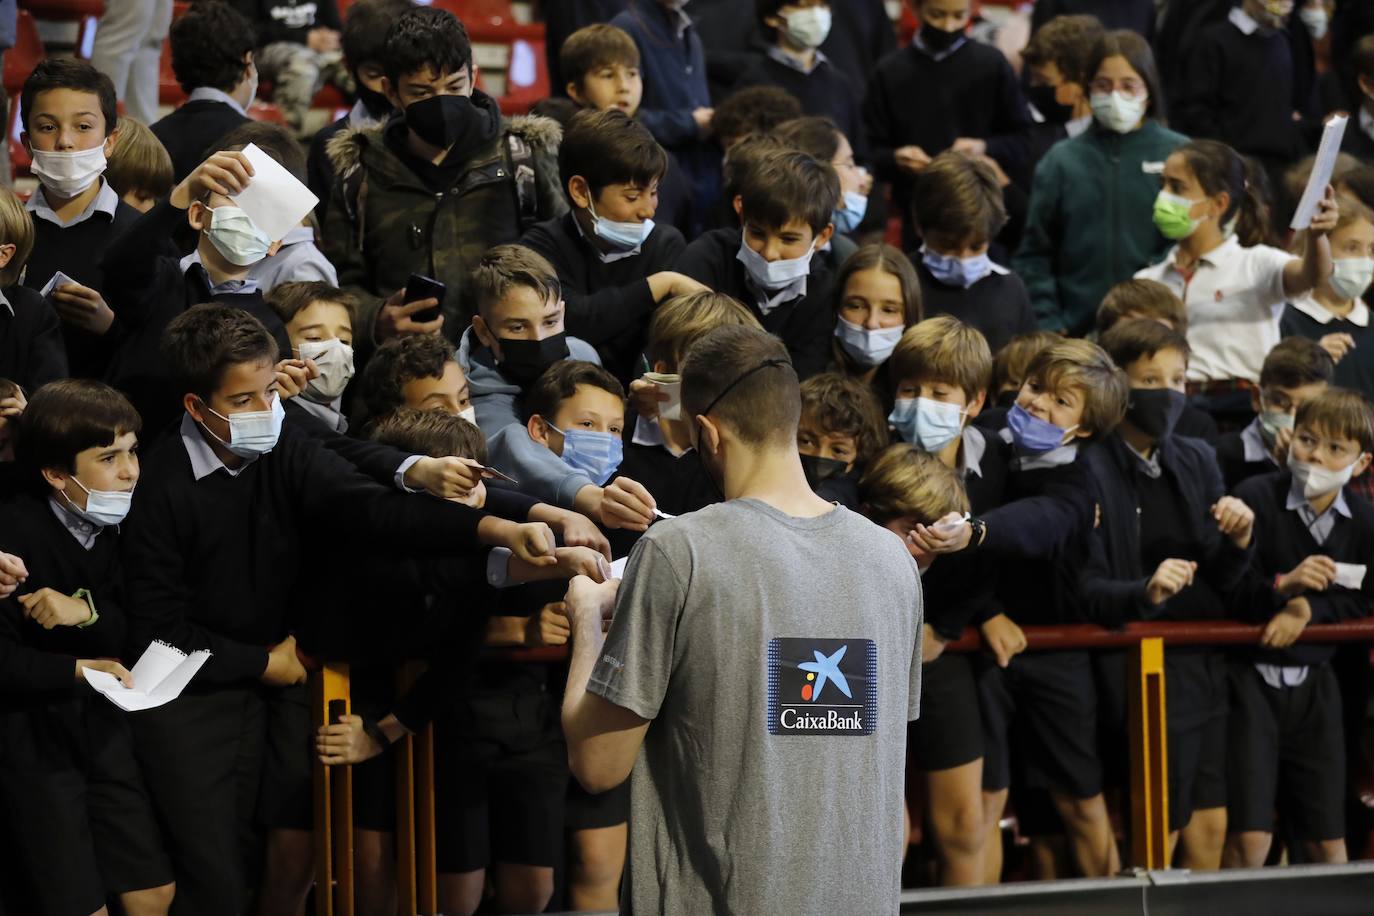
(1149, 756)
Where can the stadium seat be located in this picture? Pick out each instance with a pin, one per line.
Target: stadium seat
(19, 63)
(86, 13)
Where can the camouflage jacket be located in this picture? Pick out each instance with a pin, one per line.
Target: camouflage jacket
(385, 223)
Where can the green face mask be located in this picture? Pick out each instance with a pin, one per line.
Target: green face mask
(1172, 217)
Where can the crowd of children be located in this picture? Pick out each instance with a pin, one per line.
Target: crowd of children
(1097, 382)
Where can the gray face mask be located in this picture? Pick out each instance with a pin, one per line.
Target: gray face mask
(334, 359)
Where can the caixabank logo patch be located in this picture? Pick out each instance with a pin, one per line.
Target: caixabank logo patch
(822, 686)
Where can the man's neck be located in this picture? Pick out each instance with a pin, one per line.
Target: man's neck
(68, 208)
(773, 476)
(219, 270)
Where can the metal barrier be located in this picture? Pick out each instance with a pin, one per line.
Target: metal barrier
(1146, 717)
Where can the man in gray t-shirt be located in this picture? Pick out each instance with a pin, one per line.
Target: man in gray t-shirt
(762, 663)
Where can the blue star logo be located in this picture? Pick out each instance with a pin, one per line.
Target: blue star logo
(827, 669)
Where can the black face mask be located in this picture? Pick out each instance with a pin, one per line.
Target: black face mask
(819, 469)
(1007, 398)
(938, 40)
(1042, 97)
(1155, 411)
(523, 361)
(443, 121)
(375, 102)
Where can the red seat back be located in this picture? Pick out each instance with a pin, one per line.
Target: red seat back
(25, 55)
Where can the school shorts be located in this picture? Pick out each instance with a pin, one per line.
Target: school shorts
(502, 774)
(1046, 700)
(221, 764)
(949, 732)
(1286, 749)
(1195, 708)
(74, 804)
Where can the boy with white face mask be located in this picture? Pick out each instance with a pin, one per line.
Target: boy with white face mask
(1314, 539)
(69, 130)
(79, 455)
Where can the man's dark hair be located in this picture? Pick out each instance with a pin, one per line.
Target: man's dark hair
(1295, 362)
(432, 433)
(608, 147)
(425, 37)
(69, 73)
(785, 185)
(273, 139)
(559, 382)
(202, 342)
(1141, 338)
(957, 201)
(755, 110)
(365, 29)
(763, 403)
(209, 43)
(401, 360)
(68, 416)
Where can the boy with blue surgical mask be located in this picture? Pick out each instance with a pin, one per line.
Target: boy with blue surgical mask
(577, 411)
(613, 261)
(958, 207)
(786, 205)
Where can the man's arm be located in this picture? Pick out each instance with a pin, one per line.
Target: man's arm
(603, 738)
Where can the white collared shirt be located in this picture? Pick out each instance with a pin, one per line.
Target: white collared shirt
(607, 257)
(211, 94)
(246, 285)
(1252, 441)
(204, 461)
(650, 433)
(84, 531)
(787, 60)
(975, 444)
(106, 202)
(1054, 458)
(1309, 306)
(1234, 298)
(938, 56)
(1078, 126)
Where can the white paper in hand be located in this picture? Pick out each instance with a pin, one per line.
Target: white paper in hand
(1321, 171)
(618, 568)
(1350, 575)
(671, 385)
(274, 200)
(159, 677)
(58, 279)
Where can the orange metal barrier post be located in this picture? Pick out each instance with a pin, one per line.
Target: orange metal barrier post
(329, 691)
(1149, 756)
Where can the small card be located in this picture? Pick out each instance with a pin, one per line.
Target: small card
(274, 200)
(58, 279)
(1152, 168)
(1350, 575)
(671, 385)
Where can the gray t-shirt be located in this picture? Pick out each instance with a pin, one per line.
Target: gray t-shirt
(780, 660)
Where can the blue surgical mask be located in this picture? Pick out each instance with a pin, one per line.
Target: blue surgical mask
(1032, 434)
(237, 237)
(103, 507)
(848, 218)
(251, 433)
(620, 236)
(927, 424)
(953, 271)
(595, 454)
(773, 275)
(865, 346)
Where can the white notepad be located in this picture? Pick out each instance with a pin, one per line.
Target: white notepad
(159, 677)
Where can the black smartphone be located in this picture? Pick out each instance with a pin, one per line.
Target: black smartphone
(337, 710)
(421, 287)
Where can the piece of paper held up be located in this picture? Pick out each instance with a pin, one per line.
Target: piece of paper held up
(1350, 575)
(58, 279)
(274, 200)
(618, 568)
(1321, 171)
(671, 385)
(159, 677)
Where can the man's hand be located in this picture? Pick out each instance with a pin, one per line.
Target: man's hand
(1287, 625)
(109, 666)
(626, 504)
(1170, 578)
(932, 646)
(293, 375)
(82, 307)
(283, 667)
(582, 561)
(225, 173)
(645, 398)
(1315, 573)
(970, 146)
(1235, 520)
(322, 40)
(703, 118)
(911, 159)
(394, 318)
(49, 609)
(588, 601)
(1337, 345)
(345, 742)
(446, 478)
(13, 572)
(550, 627)
(1004, 638)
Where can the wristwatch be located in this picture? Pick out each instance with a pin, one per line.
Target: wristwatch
(979, 533)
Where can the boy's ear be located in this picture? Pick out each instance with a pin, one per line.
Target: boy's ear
(823, 237)
(7, 252)
(660, 366)
(975, 406)
(538, 430)
(1366, 85)
(24, 139)
(484, 334)
(389, 91)
(198, 215)
(193, 406)
(709, 440)
(110, 141)
(574, 92)
(738, 204)
(58, 479)
(1255, 403)
(579, 192)
(1361, 464)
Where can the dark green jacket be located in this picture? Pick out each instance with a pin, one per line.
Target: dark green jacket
(1090, 223)
(384, 223)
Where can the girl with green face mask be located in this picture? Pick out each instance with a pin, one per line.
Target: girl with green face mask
(1234, 285)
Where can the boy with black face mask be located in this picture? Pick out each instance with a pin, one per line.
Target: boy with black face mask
(1170, 546)
(444, 179)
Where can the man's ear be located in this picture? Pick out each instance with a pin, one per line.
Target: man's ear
(55, 478)
(975, 406)
(579, 192)
(710, 439)
(823, 237)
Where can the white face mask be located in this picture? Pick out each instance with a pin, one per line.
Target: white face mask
(103, 507)
(68, 174)
(1350, 277)
(1117, 112)
(773, 275)
(867, 347)
(808, 28)
(252, 433)
(470, 414)
(1317, 481)
(1314, 17)
(236, 237)
(334, 359)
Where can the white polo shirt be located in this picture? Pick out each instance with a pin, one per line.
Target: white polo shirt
(1234, 299)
